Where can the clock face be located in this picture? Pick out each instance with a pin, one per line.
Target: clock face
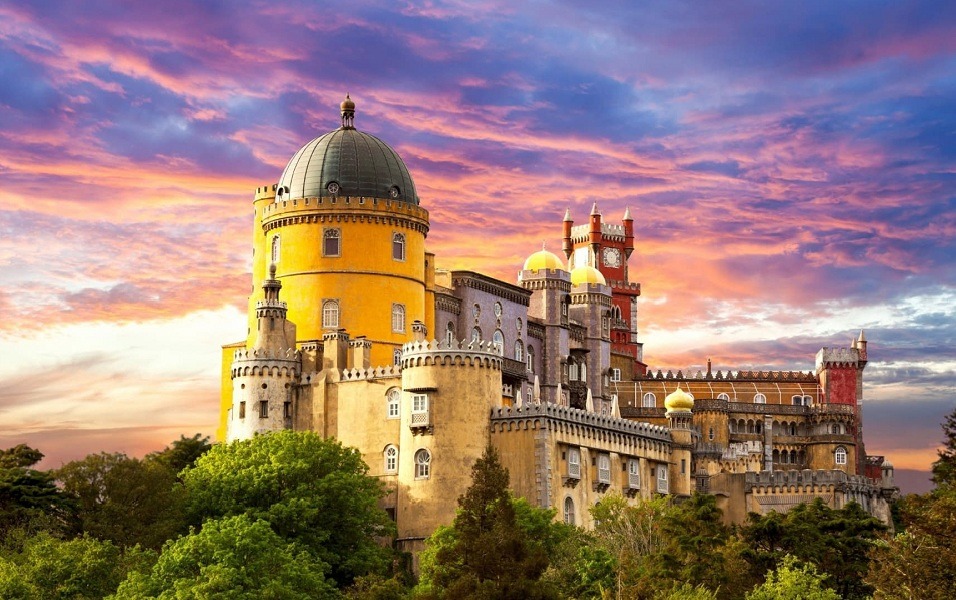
(612, 257)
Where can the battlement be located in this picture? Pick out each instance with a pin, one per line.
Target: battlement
(278, 304)
(780, 479)
(361, 209)
(845, 357)
(480, 353)
(579, 233)
(794, 376)
(266, 191)
(266, 354)
(389, 372)
(576, 416)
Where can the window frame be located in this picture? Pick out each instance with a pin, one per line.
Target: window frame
(330, 309)
(569, 518)
(276, 249)
(423, 464)
(840, 456)
(328, 234)
(390, 462)
(649, 400)
(604, 468)
(393, 404)
(760, 398)
(633, 474)
(615, 375)
(398, 246)
(398, 318)
(574, 463)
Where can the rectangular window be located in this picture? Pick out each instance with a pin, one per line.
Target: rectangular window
(419, 411)
(242, 410)
(615, 374)
(398, 246)
(332, 242)
(574, 463)
(662, 479)
(263, 409)
(633, 474)
(287, 410)
(604, 468)
(398, 318)
(683, 466)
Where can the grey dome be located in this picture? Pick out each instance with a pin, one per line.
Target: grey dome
(358, 163)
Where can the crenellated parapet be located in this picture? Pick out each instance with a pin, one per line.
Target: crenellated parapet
(545, 279)
(395, 213)
(479, 353)
(774, 376)
(388, 372)
(800, 480)
(267, 354)
(838, 357)
(595, 424)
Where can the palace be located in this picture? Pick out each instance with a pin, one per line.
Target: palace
(354, 333)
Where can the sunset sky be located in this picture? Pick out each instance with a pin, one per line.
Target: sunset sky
(791, 167)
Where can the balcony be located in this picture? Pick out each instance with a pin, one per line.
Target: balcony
(420, 421)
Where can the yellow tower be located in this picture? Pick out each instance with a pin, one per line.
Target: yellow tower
(347, 235)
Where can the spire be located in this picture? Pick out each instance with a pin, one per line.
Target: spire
(567, 214)
(627, 214)
(862, 337)
(594, 210)
(348, 113)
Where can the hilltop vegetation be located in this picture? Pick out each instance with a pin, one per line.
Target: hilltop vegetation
(292, 515)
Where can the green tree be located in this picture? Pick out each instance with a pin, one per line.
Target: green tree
(921, 561)
(488, 555)
(29, 498)
(944, 469)
(182, 453)
(48, 568)
(310, 490)
(236, 558)
(125, 500)
(792, 581)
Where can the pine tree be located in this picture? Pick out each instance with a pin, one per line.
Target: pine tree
(944, 469)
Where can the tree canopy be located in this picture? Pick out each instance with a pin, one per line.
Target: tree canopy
(29, 498)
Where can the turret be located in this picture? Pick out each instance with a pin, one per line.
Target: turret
(680, 414)
(568, 246)
(595, 236)
(628, 232)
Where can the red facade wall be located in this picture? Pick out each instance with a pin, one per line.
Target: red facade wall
(841, 385)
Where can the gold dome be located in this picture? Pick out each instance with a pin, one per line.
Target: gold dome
(542, 259)
(587, 274)
(679, 401)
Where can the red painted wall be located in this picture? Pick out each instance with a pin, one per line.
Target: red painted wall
(841, 385)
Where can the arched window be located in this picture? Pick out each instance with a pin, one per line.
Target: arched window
(723, 396)
(393, 404)
(423, 464)
(499, 340)
(398, 318)
(710, 434)
(519, 350)
(450, 334)
(475, 335)
(837, 429)
(574, 463)
(332, 242)
(649, 400)
(572, 371)
(839, 456)
(398, 246)
(807, 400)
(391, 459)
(330, 314)
(797, 401)
(275, 249)
(569, 511)
(604, 468)
(584, 371)
(531, 359)
(760, 399)
(397, 357)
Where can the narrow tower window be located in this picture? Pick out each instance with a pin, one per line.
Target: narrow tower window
(569, 511)
(531, 359)
(398, 246)
(450, 334)
(330, 314)
(398, 318)
(332, 242)
(275, 249)
(519, 350)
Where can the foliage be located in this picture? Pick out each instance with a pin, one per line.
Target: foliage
(791, 581)
(182, 453)
(376, 587)
(944, 469)
(920, 562)
(310, 490)
(487, 554)
(236, 558)
(125, 500)
(687, 592)
(84, 568)
(837, 541)
(28, 498)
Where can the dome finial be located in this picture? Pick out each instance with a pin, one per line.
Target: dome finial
(348, 113)
(544, 244)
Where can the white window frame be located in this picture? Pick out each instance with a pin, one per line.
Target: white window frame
(398, 318)
(633, 474)
(393, 403)
(840, 455)
(498, 339)
(519, 351)
(423, 464)
(419, 403)
(390, 457)
(275, 249)
(574, 463)
(723, 396)
(760, 398)
(615, 374)
(397, 357)
(662, 486)
(604, 468)
(573, 371)
(450, 334)
(331, 315)
(649, 400)
(530, 357)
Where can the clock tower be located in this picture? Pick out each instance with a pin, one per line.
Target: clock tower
(607, 247)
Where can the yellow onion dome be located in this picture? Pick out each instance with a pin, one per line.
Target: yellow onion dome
(679, 401)
(587, 274)
(542, 259)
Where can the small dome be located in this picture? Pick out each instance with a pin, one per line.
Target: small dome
(542, 259)
(347, 104)
(587, 274)
(679, 401)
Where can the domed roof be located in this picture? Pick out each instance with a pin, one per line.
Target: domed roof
(586, 274)
(542, 259)
(346, 162)
(679, 401)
